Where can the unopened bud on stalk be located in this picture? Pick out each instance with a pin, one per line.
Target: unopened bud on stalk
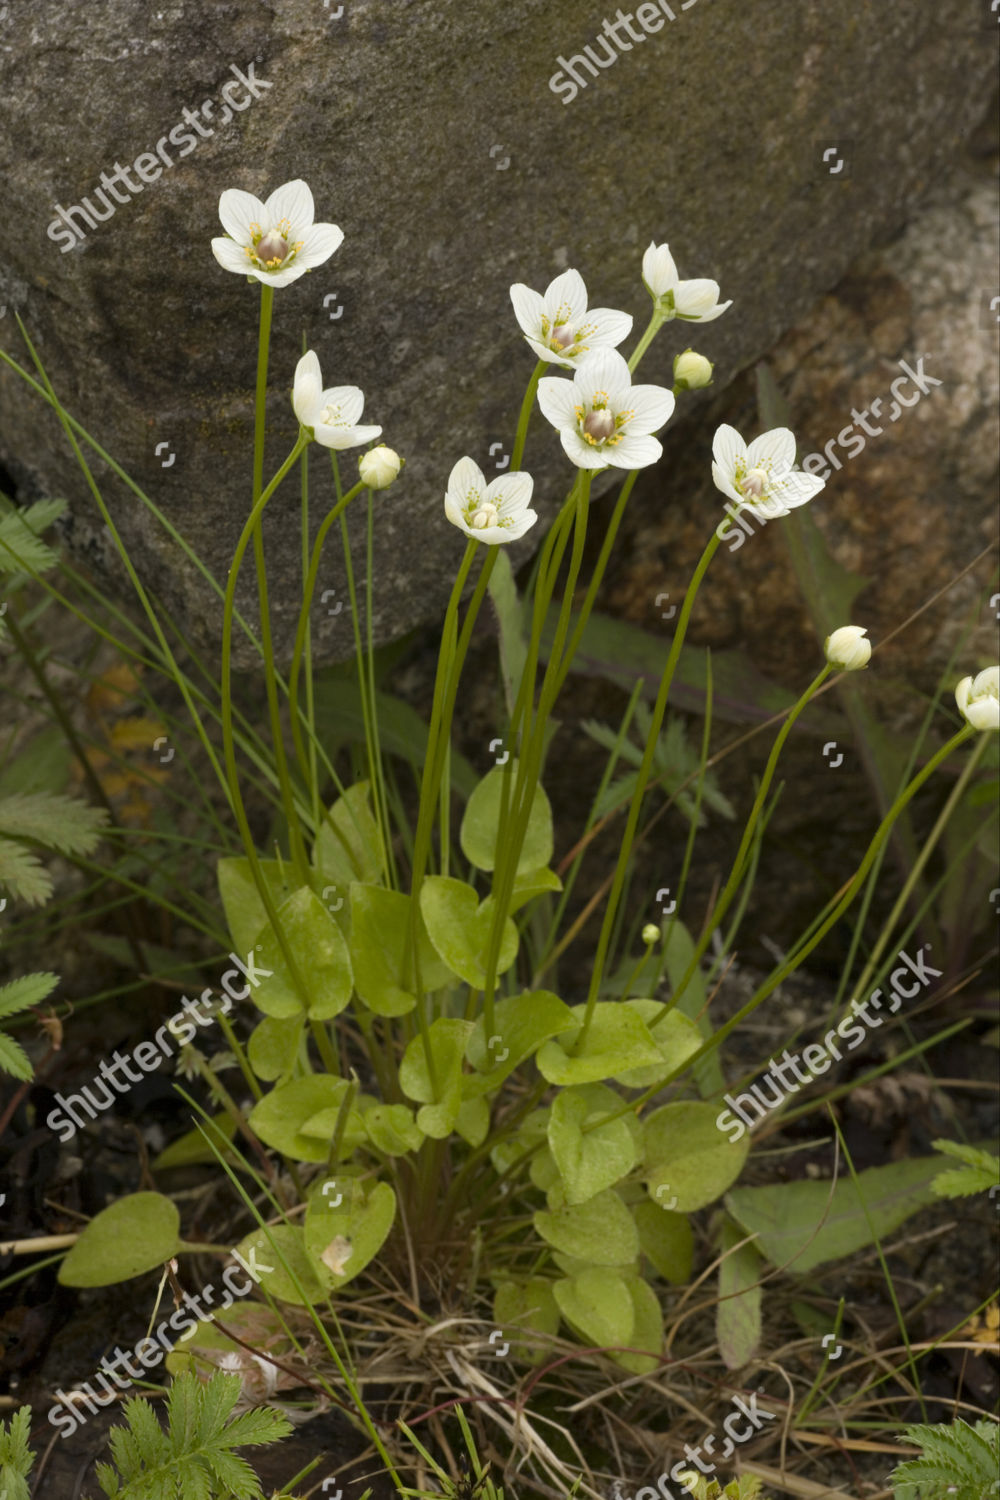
(650, 934)
(692, 371)
(379, 467)
(847, 648)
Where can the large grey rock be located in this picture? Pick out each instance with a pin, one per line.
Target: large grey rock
(430, 133)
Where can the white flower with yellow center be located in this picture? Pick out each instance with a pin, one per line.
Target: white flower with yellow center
(558, 326)
(694, 301)
(978, 699)
(602, 418)
(494, 512)
(762, 477)
(276, 241)
(332, 416)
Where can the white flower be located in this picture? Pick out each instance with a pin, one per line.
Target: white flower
(601, 417)
(978, 699)
(379, 467)
(847, 648)
(331, 415)
(275, 241)
(558, 326)
(495, 512)
(695, 301)
(761, 477)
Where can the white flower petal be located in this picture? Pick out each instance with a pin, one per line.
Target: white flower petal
(722, 481)
(544, 352)
(350, 401)
(231, 256)
(307, 390)
(697, 299)
(581, 453)
(658, 269)
(282, 277)
(318, 244)
(292, 201)
(603, 370)
(558, 400)
(653, 405)
(634, 452)
(774, 450)
(345, 437)
(237, 211)
(728, 448)
(510, 491)
(528, 308)
(604, 325)
(516, 529)
(566, 298)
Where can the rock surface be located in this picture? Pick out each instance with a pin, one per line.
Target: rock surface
(771, 145)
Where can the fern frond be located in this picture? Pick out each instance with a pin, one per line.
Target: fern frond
(16, 1458)
(49, 818)
(980, 1171)
(960, 1461)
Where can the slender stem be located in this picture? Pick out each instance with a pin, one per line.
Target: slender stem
(641, 782)
(656, 322)
(525, 415)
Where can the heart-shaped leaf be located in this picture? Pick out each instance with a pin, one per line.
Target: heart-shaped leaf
(442, 1097)
(480, 823)
(527, 1305)
(278, 1118)
(347, 844)
(599, 1305)
(276, 1259)
(459, 928)
(676, 1036)
(617, 1039)
(521, 1024)
(667, 1240)
(689, 1161)
(342, 1239)
(600, 1231)
(380, 951)
(134, 1235)
(321, 956)
(246, 915)
(590, 1161)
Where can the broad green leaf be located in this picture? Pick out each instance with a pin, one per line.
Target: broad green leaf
(531, 884)
(472, 1122)
(805, 1224)
(320, 952)
(277, 1259)
(647, 1329)
(521, 1024)
(278, 1117)
(347, 845)
(591, 1161)
(459, 928)
(391, 1128)
(342, 1238)
(322, 1126)
(380, 921)
(676, 1037)
(527, 1305)
(597, 1303)
(245, 912)
(688, 1160)
(480, 825)
(274, 1046)
(600, 1231)
(738, 1315)
(134, 1235)
(441, 1105)
(618, 1039)
(667, 1241)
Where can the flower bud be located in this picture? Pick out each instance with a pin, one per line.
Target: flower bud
(650, 933)
(847, 648)
(978, 699)
(692, 371)
(379, 467)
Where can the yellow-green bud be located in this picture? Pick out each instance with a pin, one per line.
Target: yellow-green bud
(650, 933)
(692, 371)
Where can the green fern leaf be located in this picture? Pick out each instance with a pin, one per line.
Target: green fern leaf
(23, 874)
(16, 1458)
(53, 820)
(980, 1171)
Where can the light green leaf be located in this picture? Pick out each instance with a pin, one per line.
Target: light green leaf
(459, 928)
(600, 1231)
(391, 1128)
(380, 922)
(347, 845)
(53, 820)
(28, 990)
(647, 1329)
(278, 1118)
(527, 1305)
(447, 1038)
(23, 874)
(687, 1157)
(320, 951)
(134, 1235)
(21, 551)
(599, 1305)
(521, 1024)
(480, 825)
(738, 1314)
(804, 1224)
(279, 1258)
(592, 1161)
(191, 1148)
(667, 1240)
(274, 1046)
(246, 916)
(676, 1037)
(347, 1236)
(531, 884)
(618, 1039)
